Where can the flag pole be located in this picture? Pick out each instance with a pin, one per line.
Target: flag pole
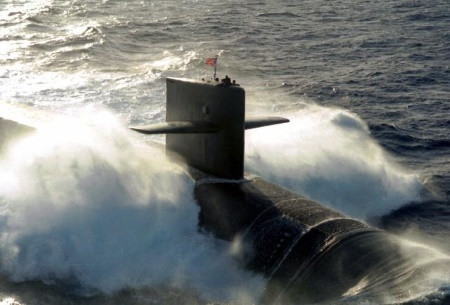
(215, 68)
(212, 61)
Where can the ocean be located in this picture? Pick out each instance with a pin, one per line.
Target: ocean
(93, 213)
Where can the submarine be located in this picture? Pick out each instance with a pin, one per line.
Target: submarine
(308, 253)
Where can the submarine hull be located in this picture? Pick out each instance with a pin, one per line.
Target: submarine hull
(309, 253)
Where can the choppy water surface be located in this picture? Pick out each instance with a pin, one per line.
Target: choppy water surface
(91, 213)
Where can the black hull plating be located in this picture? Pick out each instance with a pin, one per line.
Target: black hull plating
(308, 252)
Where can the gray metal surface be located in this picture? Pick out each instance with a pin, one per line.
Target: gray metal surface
(255, 122)
(176, 127)
(221, 153)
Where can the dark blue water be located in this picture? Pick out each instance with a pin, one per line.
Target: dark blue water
(365, 84)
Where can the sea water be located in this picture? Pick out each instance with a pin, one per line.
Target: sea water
(91, 213)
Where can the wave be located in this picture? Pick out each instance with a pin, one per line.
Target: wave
(171, 61)
(425, 222)
(278, 14)
(86, 203)
(329, 155)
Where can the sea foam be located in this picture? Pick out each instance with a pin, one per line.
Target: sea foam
(328, 154)
(87, 203)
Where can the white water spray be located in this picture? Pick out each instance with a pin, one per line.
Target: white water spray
(328, 155)
(85, 202)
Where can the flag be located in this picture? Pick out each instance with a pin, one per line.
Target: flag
(211, 62)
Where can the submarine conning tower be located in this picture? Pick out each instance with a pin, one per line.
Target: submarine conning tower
(308, 252)
(219, 112)
(205, 125)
